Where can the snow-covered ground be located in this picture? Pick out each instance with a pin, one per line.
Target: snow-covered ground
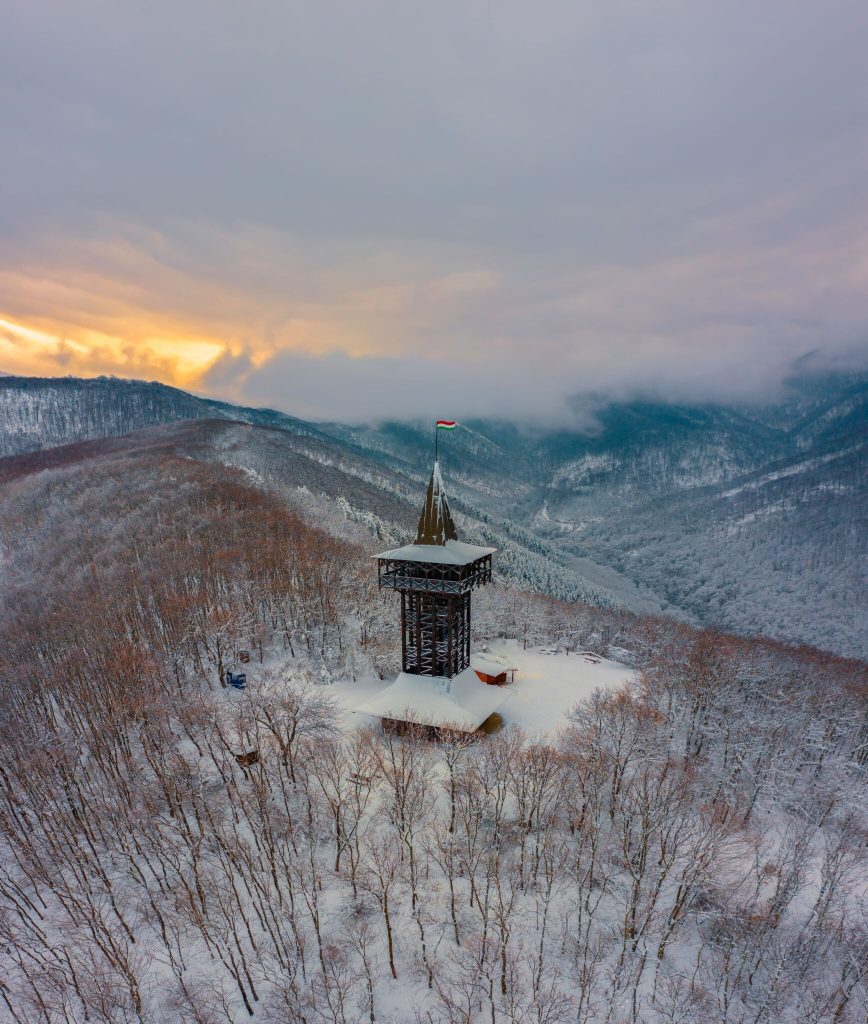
(546, 686)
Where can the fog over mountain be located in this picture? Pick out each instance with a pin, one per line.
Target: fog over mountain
(363, 213)
(537, 383)
(749, 517)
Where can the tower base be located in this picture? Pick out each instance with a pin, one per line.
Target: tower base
(461, 703)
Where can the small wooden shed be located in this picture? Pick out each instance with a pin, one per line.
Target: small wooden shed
(491, 672)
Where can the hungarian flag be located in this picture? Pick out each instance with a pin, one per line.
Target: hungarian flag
(446, 424)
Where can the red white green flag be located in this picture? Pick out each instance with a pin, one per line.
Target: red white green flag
(446, 424)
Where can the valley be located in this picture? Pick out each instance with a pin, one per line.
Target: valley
(752, 519)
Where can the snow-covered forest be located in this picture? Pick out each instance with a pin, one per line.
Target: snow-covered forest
(44, 412)
(785, 546)
(745, 518)
(687, 849)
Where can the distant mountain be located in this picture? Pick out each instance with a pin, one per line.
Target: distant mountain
(750, 518)
(784, 547)
(636, 451)
(43, 412)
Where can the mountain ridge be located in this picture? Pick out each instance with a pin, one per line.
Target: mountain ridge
(727, 516)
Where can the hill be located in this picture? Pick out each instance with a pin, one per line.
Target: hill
(175, 849)
(43, 412)
(338, 489)
(750, 518)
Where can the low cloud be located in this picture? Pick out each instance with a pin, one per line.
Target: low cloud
(375, 215)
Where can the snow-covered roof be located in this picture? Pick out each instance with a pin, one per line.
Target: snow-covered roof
(463, 702)
(490, 668)
(453, 552)
(435, 523)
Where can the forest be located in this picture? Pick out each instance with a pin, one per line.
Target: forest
(749, 519)
(688, 850)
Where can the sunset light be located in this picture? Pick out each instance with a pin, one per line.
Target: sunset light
(433, 491)
(179, 360)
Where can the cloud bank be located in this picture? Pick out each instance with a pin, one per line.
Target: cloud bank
(391, 209)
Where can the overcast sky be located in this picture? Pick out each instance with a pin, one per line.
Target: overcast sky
(364, 209)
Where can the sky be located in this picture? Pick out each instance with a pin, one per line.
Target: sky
(384, 209)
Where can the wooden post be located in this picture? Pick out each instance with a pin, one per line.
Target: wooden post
(449, 606)
(403, 630)
(418, 602)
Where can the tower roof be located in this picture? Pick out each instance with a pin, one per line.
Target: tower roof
(435, 524)
(437, 540)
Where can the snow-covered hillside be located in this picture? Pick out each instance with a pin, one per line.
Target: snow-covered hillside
(749, 518)
(43, 412)
(785, 547)
(174, 849)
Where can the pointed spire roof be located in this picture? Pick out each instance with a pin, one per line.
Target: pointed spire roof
(437, 540)
(435, 523)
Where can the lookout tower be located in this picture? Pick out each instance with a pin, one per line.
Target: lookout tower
(435, 577)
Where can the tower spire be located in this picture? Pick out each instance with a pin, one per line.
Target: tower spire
(436, 525)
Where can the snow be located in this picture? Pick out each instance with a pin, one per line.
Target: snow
(453, 552)
(490, 666)
(797, 467)
(577, 471)
(546, 687)
(463, 702)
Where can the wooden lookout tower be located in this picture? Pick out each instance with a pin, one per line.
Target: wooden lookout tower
(435, 577)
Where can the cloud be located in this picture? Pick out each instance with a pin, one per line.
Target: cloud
(281, 203)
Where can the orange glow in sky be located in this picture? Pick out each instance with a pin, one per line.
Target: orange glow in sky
(349, 216)
(133, 302)
(49, 350)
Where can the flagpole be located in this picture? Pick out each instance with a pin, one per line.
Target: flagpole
(436, 444)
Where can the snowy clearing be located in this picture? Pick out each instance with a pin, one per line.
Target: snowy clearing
(547, 685)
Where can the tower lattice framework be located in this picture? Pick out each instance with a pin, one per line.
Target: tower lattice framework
(435, 577)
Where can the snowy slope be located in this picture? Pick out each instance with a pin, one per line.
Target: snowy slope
(335, 487)
(749, 518)
(42, 412)
(784, 548)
